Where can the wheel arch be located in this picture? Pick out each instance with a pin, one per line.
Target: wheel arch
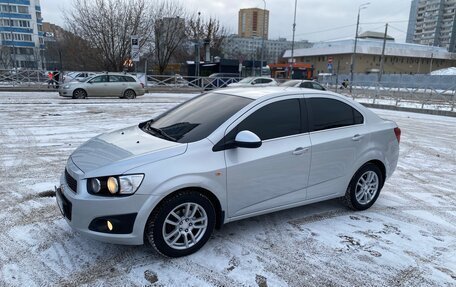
(381, 166)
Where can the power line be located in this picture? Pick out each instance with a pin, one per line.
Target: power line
(326, 30)
(400, 30)
(347, 26)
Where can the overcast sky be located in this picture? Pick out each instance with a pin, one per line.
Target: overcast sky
(316, 20)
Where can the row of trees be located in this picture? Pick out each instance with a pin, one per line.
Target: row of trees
(167, 30)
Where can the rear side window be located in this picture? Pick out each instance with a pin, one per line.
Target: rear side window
(113, 78)
(278, 119)
(330, 113)
(128, 79)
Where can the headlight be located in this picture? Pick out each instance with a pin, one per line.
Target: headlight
(66, 86)
(94, 185)
(115, 185)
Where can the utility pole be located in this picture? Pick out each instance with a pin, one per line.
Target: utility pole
(352, 65)
(292, 41)
(382, 61)
(432, 58)
(197, 48)
(262, 38)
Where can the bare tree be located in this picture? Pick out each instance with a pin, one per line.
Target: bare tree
(170, 31)
(108, 24)
(6, 61)
(210, 31)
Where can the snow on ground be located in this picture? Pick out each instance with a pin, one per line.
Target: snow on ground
(447, 71)
(408, 238)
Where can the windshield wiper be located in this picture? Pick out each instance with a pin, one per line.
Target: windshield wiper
(157, 131)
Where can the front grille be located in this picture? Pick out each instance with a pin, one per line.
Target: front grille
(72, 183)
(66, 205)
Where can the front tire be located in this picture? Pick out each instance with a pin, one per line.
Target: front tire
(364, 188)
(181, 225)
(79, 94)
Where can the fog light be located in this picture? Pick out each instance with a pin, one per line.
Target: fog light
(113, 185)
(109, 224)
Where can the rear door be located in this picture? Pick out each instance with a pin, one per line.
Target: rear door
(337, 135)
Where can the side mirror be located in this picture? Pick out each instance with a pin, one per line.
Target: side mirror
(252, 83)
(247, 139)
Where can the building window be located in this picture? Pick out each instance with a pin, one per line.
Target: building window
(22, 9)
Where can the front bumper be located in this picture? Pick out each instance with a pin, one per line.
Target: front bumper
(65, 92)
(82, 209)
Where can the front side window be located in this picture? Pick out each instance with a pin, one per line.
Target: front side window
(327, 113)
(99, 79)
(195, 119)
(317, 87)
(275, 120)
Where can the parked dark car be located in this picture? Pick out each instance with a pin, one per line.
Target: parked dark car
(303, 84)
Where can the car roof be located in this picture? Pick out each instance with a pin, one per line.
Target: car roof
(255, 93)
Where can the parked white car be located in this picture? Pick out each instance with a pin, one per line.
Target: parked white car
(224, 156)
(255, 81)
(120, 85)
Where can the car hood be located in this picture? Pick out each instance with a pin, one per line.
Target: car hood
(119, 151)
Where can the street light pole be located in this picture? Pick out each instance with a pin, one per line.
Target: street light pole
(197, 48)
(292, 41)
(262, 38)
(352, 65)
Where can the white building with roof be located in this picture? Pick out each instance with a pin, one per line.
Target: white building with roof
(400, 58)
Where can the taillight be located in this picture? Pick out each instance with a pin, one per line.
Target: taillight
(142, 85)
(397, 132)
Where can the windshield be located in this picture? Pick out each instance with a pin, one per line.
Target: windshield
(289, 83)
(246, 80)
(195, 119)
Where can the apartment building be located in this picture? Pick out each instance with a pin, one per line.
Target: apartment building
(21, 34)
(253, 22)
(433, 23)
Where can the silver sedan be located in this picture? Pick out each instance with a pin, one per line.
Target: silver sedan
(224, 156)
(104, 85)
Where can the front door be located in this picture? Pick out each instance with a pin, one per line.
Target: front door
(97, 86)
(276, 173)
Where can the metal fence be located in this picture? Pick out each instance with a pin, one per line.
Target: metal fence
(38, 79)
(410, 91)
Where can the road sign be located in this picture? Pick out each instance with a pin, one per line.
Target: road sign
(330, 67)
(135, 48)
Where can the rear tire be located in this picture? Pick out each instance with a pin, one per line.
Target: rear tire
(181, 225)
(364, 188)
(79, 94)
(129, 94)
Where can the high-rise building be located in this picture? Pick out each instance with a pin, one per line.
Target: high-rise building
(253, 22)
(21, 33)
(412, 21)
(433, 23)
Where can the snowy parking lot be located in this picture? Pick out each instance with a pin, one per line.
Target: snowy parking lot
(408, 238)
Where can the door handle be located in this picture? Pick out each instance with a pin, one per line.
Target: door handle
(300, 150)
(357, 137)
